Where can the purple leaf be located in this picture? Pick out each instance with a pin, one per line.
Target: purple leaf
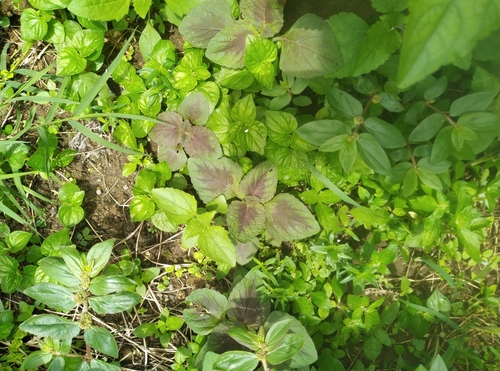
(175, 157)
(246, 303)
(195, 108)
(288, 219)
(245, 220)
(170, 132)
(265, 15)
(260, 182)
(213, 178)
(201, 142)
(245, 251)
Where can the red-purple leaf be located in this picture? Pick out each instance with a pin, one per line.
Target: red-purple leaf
(170, 132)
(175, 157)
(288, 219)
(195, 108)
(201, 142)
(245, 251)
(215, 177)
(260, 182)
(245, 220)
(265, 15)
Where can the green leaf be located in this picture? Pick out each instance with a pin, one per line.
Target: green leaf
(291, 345)
(141, 208)
(235, 79)
(259, 57)
(142, 7)
(252, 137)
(280, 126)
(372, 348)
(427, 128)
(424, 203)
(213, 178)
(343, 103)
(428, 178)
(350, 31)
(276, 334)
(474, 102)
(471, 242)
(386, 134)
(101, 340)
(147, 41)
(438, 364)
(265, 15)
(100, 10)
(480, 121)
(440, 33)
(145, 330)
(245, 220)
(56, 269)
(436, 89)
(320, 131)
(215, 243)
(439, 302)
(244, 337)
(244, 110)
(36, 359)
(179, 206)
(348, 152)
(236, 360)
(373, 154)
(88, 42)
(114, 303)
(381, 41)
(312, 37)
(195, 108)
(17, 240)
(73, 260)
(34, 26)
(410, 182)
(389, 6)
(70, 62)
(442, 146)
(98, 256)
(104, 285)
(261, 182)
(288, 219)
(51, 326)
(204, 21)
(390, 102)
(53, 295)
(55, 32)
(336, 144)
(227, 47)
(214, 307)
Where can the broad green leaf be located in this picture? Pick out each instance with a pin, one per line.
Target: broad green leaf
(348, 153)
(480, 121)
(291, 345)
(104, 285)
(457, 139)
(227, 48)
(236, 360)
(246, 302)
(432, 230)
(17, 240)
(57, 269)
(288, 219)
(389, 6)
(386, 134)
(373, 154)
(483, 80)
(474, 102)
(70, 62)
(381, 41)
(49, 4)
(390, 102)
(55, 32)
(245, 220)
(114, 303)
(244, 337)
(148, 39)
(88, 42)
(312, 37)
(213, 178)
(436, 89)
(336, 144)
(428, 178)
(179, 206)
(36, 359)
(438, 364)
(141, 208)
(259, 57)
(372, 348)
(53, 295)
(101, 340)
(320, 131)
(204, 21)
(439, 302)
(73, 260)
(215, 243)
(343, 103)
(438, 33)
(410, 182)
(234, 79)
(280, 126)
(261, 182)
(442, 146)
(142, 7)
(471, 242)
(98, 256)
(195, 108)
(350, 31)
(244, 110)
(265, 15)
(100, 10)
(252, 137)
(424, 203)
(276, 334)
(51, 326)
(427, 128)
(34, 26)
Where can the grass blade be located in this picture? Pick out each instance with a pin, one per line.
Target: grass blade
(435, 313)
(440, 270)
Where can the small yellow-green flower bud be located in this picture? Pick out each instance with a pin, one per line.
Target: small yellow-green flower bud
(358, 120)
(376, 99)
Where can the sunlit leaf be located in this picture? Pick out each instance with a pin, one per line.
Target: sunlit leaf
(265, 15)
(245, 220)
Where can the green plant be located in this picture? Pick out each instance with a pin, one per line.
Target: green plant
(69, 279)
(162, 329)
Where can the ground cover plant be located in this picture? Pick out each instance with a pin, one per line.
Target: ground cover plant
(330, 187)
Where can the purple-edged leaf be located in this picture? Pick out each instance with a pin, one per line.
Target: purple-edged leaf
(170, 132)
(203, 22)
(245, 251)
(215, 177)
(288, 219)
(227, 48)
(260, 182)
(246, 304)
(195, 108)
(201, 142)
(265, 15)
(245, 220)
(175, 157)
